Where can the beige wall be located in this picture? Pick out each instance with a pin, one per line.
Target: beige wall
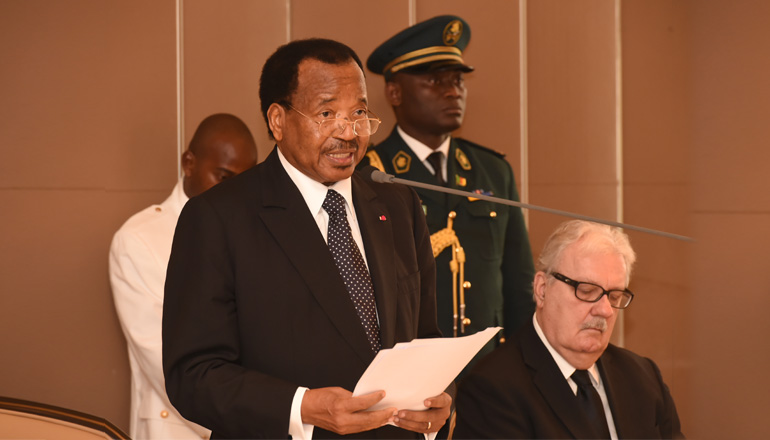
(649, 111)
(730, 116)
(656, 183)
(88, 137)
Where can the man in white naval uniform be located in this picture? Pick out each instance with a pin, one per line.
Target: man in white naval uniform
(221, 147)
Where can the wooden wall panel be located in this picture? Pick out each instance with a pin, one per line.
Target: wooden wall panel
(88, 120)
(83, 63)
(224, 50)
(656, 192)
(730, 44)
(571, 71)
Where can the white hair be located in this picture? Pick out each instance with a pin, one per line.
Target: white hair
(592, 237)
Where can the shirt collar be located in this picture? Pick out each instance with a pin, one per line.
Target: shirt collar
(314, 192)
(564, 366)
(421, 150)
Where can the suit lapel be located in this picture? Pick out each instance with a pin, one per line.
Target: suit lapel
(377, 233)
(551, 383)
(286, 216)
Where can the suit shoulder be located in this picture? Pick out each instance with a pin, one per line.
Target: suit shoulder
(480, 148)
(501, 362)
(233, 189)
(624, 353)
(631, 360)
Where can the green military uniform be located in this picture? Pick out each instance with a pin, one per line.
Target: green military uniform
(498, 256)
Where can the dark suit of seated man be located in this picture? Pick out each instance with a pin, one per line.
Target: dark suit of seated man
(531, 386)
(267, 323)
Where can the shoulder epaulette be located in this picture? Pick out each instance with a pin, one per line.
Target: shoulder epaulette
(481, 147)
(374, 160)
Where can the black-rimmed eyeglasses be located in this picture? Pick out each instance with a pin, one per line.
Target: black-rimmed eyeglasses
(590, 292)
(364, 126)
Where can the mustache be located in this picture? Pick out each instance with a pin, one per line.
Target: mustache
(595, 323)
(343, 144)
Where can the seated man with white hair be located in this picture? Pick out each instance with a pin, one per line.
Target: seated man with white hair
(558, 376)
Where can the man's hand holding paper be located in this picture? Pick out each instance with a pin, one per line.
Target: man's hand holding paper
(335, 409)
(410, 371)
(430, 420)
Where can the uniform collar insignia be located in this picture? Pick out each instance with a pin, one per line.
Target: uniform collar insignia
(462, 159)
(402, 162)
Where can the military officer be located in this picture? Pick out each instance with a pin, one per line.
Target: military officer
(423, 69)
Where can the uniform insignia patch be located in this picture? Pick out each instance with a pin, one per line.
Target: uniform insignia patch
(402, 162)
(460, 181)
(462, 159)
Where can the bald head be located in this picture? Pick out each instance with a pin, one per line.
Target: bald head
(221, 147)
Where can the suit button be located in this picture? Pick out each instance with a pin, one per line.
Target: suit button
(493, 214)
(164, 413)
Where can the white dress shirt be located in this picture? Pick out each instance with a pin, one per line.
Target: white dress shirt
(567, 370)
(314, 194)
(422, 151)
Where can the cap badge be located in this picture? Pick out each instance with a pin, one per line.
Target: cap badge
(402, 162)
(452, 32)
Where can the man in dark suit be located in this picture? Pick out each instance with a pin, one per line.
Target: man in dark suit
(266, 328)
(531, 386)
(423, 69)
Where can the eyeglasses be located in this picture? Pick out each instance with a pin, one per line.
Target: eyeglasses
(335, 127)
(590, 292)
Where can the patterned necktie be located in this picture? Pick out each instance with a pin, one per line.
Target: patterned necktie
(435, 161)
(351, 265)
(591, 403)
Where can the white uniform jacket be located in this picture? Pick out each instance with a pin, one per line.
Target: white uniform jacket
(138, 259)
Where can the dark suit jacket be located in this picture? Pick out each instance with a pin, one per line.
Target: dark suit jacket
(255, 306)
(518, 391)
(499, 260)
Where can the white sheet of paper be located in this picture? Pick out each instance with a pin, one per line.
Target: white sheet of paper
(410, 372)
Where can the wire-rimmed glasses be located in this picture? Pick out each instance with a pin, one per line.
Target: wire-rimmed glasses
(334, 127)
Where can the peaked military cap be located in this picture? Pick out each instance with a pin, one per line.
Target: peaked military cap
(433, 44)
